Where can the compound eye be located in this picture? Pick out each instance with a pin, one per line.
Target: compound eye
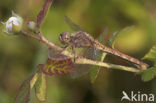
(64, 37)
(64, 34)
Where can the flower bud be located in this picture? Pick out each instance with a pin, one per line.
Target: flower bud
(32, 26)
(13, 24)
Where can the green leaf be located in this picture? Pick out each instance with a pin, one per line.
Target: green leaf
(103, 56)
(103, 37)
(112, 39)
(34, 79)
(95, 70)
(23, 94)
(117, 34)
(149, 74)
(94, 73)
(40, 87)
(151, 55)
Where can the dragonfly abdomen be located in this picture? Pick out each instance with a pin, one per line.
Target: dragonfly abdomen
(120, 54)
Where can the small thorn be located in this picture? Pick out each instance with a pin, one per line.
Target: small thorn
(3, 23)
(14, 14)
(6, 32)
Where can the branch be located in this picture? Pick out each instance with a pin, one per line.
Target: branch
(43, 12)
(79, 59)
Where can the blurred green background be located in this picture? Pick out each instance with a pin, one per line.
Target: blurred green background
(20, 55)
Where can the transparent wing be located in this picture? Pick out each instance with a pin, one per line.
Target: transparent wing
(89, 53)
(82, 69)
(72, 25)
(56, 55)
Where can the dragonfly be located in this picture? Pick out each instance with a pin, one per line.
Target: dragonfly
(82, 39)
(75, 70)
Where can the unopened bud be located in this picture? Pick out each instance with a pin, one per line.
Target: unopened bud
(13, 24)
(32, 26)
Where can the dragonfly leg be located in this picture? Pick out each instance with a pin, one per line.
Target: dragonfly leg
(64, 48)
(95, 53)
(73, 50)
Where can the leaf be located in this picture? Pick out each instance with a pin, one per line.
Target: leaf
(58, 64)
(103, 56)
(112, 39)
(102, 38)
(34, 79)
(94, 73)
(117, 34)
(23, 93)
(95, 70)
(151, 55)
(149, 74)
(43, 12)
(40, 87)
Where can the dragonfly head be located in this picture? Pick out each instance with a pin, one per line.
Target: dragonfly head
(64, 38)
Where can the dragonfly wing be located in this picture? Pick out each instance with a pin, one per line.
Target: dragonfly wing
(82, 69)
(56, 55)
(72, 25)
(52, 52)
(90, 53)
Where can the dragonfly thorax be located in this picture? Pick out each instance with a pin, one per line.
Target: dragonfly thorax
(64, 38)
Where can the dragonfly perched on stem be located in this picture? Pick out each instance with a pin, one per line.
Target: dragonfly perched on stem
(81, 39)
(76, 70)
(89, 48)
